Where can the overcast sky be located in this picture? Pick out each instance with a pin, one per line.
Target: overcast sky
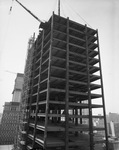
(17, 26)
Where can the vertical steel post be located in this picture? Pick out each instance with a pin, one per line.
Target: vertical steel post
(30, 94)
(48, 84)
(81, 120)
(89, 94)
(80, 114)
(67, 92)
(103, 100)
(38, 90)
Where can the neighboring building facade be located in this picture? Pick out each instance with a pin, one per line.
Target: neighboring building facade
(17, 88)
(63, 72)
(116, 128)
(114, 118)
(9, 123)
(10, 117)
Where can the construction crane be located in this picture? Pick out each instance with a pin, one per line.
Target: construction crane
(28, 11)
(42, 24)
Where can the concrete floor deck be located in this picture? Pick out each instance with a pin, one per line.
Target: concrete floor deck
(6, 147)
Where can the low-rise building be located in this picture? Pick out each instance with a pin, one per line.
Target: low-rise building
(9, 123)
(10, 117)
(114, 118)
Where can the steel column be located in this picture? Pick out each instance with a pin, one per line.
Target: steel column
(67, 92)
(103, 100)
(89, 94)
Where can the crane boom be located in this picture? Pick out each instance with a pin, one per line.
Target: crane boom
(29, 11)
(10, 72)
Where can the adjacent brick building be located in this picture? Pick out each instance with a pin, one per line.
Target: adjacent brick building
(9, 123)
(10, 118)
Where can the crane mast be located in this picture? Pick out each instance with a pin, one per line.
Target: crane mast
(59, 7)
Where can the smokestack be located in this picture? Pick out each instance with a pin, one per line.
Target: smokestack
(112, 128)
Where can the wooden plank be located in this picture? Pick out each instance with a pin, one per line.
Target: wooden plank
(75, 37)
(55, 142)
(78, 82)
(77, 63)
(57, 67)
(93, 53)
(74, 45)
(77, 54)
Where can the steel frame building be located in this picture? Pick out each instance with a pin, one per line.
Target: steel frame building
(65, 82)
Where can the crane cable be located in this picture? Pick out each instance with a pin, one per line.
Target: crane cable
(55, 6)
(10, 72)
(7, 28)
(68, 9)
(26, 10)
(78, 14)
(62, 9)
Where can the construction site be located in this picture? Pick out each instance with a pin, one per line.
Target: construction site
(63, 88)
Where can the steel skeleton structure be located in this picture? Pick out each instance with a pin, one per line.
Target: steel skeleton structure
(20, 143)
(66, 69)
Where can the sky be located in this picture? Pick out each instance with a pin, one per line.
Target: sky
(17, 26)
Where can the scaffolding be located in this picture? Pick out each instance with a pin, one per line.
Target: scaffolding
(21, 134)
(66, 87)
